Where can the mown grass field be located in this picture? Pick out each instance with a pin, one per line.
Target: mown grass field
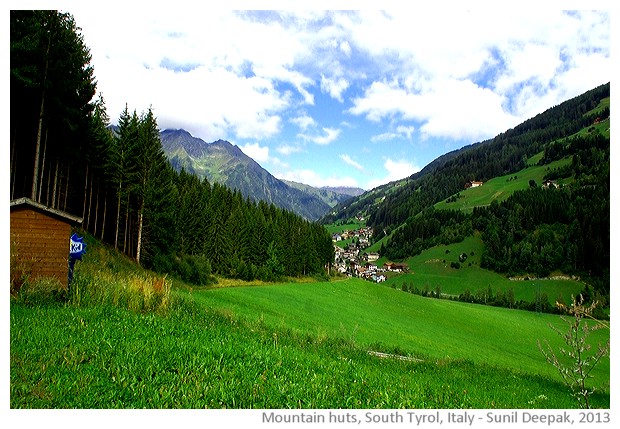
(500, 188)
(374, 316)
(292, 345)
(105, 357)
(432, 268)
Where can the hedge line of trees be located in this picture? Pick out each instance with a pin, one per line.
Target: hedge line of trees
(64, 155)
(506, 299)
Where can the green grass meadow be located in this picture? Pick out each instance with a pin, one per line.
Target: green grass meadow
(432, 268)
(126, 341)
(373, 316)
(500, 188)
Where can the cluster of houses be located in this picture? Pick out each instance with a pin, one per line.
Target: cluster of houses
(547, 184)
(362, 236)
(472, 184)
(353, 261)
(550, 184)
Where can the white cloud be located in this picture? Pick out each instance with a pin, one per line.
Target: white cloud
(405, 131)
(384, 137)
(287, 149)
(261, 155)
(467, 84)
(456, 109)
(257, 152)
(345, 48)
(396, 170)
(334, 87)
(303, 121)
(348, 160)
(228, 88)
(328, 136)
(312, 178)
(402, 132)
(530, 62)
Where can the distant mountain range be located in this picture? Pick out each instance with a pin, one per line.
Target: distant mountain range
(225, 163)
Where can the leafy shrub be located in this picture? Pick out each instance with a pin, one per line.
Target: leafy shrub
(194, 269)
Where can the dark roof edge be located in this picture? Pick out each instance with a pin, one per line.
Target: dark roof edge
(59, 213)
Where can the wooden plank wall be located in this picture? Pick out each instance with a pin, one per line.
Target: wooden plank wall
(41, 243)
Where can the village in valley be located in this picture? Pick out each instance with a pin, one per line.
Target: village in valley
(352, 259)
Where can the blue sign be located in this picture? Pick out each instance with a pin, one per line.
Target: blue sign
(77, 247)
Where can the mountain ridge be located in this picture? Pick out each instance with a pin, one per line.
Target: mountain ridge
(482, 160)
(225, 163)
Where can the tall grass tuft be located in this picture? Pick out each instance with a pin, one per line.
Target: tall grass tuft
(141, 292)
(41, 291)
(104, 278)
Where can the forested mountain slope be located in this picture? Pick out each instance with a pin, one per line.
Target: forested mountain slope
(225, 163)
(535, 231)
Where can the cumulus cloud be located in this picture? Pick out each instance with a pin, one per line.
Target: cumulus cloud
(401, 132)
(334, 87)
(256, 75)
(348, 160)
(345, 48)
(456, 109)
(303, 121)
(228, 88)
(257, 152)
(470, 85)
(328, 135)
(261, 154)
(395, 170)
(312, 178)
(287, 149)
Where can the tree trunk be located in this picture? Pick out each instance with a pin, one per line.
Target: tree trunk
(118, 218)
(42, 168)
(37, 150)
(90, 197)
(48, 192)
(55, 187)
(96, 209)
(13, 162)
(126, 226)
(139, 246)
(84, 219)
(105, 209)
(64, 205)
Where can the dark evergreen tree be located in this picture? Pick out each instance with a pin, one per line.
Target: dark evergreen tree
(52, 85)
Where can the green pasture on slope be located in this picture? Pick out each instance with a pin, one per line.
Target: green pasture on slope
(500, 188)
(432, 269)
(378, 317)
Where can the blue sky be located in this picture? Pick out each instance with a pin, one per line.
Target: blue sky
(353, 98)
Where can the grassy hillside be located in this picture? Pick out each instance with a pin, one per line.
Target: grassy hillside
(500, 188)
(117, 344)
(432, 269)
(374, 316)
(106, 357)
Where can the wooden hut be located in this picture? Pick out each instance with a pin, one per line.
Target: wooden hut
(40, 239)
